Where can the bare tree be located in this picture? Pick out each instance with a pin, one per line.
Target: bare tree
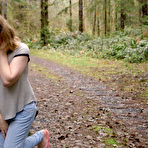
(1, 7)
(101, 16)
(44, 22)
(5, 10)
(81, 27)
(144, 8)
(105, 15)
(95, 17)
(70, 12)
(122, 15)
(108, 13)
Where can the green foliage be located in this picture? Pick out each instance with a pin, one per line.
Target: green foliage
(22, 16)
(108, 131)
(66, 39)
(96, 128)
(129, 49)
(129, 31)
(69, 24)
(111, 141)
(22, 2)
(145, 20)
(32, 44)
(120, 46)
(108, 137)
(45, 34)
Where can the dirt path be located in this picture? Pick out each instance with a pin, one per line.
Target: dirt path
(81, 112)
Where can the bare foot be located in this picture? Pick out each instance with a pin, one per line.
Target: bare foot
(45, 142)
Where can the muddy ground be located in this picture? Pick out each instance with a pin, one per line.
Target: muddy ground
(82, 112)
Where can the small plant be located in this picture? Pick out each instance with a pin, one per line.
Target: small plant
(96, 128)
(120, 46)
(108, 131)
(111, 141)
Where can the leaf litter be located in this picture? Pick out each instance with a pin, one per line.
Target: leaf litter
(78, 115)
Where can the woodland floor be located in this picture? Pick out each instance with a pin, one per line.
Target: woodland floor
(82, 112)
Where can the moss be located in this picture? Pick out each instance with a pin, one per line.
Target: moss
(111, 141)
(108, 131)
(96, 128)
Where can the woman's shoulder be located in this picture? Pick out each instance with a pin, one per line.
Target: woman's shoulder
(22, 48)
(22, 45)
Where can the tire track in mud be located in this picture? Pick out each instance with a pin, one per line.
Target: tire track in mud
(129, 118)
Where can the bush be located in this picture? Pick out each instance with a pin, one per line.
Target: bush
(118, 47)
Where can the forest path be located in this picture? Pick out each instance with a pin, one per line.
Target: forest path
(81, 112)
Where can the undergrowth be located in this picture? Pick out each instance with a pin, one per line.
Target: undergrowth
(120, 46)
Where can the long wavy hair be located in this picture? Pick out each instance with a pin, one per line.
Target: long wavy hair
(8, 39)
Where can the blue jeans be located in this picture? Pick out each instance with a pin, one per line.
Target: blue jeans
(17, 135)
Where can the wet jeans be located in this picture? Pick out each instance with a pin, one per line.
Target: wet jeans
(17, 135)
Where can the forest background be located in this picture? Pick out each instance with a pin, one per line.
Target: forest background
(111, 28)
(99, 29)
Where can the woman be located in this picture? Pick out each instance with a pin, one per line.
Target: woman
(17, 100)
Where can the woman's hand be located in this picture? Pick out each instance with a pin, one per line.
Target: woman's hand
(3, 126)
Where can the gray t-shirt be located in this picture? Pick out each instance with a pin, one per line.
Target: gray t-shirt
(14, 98)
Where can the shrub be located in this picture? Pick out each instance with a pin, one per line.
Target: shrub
(120, 46)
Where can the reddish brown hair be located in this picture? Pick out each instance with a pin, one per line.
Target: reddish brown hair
(9, 41)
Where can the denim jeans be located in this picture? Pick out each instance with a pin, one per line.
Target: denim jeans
(17, 135)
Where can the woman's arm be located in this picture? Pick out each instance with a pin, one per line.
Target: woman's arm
(10, 73)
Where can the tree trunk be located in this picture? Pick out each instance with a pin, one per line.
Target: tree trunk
(101, 18)
(44, 22)
(98, 20)
(122, 15)
(105, 16)
(81, 29)
(94, 20)
(108, 16)
(122, 19)
(98, 26)
(70, 12)
(136, 12)
(5, 10)
(144, 8)
(112, 16)
(1, 7)
(46, 13)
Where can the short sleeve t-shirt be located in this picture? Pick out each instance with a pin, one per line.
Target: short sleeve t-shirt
(14, 98)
